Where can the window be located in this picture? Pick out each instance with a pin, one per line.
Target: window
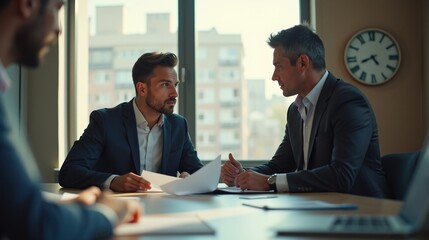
(124, 80)
(228, 97)
(207, 96)
(229, 56)
(101, 77)
(235, 49)
(100, 58)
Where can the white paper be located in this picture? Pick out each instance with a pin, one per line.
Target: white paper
(69, 196)
(301, 205)
(203, 180)
(238, 190)
(165, 225)
(157, 179)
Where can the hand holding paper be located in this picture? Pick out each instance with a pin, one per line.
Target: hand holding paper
(203, 180)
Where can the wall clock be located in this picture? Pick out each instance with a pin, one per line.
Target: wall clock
(372, 56)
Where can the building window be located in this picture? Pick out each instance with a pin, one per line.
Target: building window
(230, 53)
(229, 56)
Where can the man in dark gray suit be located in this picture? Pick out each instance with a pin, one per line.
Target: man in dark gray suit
(331, 136)
(27, 29)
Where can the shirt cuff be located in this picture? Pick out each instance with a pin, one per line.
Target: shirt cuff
(281, 183)
(108, 181)
(107, 212)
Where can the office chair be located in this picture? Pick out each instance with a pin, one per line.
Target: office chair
(399, 169)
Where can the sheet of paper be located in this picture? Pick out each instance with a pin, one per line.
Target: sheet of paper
(203, 180)
(226, 189)
(157, 179)
(171, 224)
(68, 196)
(301, 205)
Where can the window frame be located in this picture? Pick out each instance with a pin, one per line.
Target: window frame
(186, 67)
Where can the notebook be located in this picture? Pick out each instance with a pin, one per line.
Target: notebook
(413, 216)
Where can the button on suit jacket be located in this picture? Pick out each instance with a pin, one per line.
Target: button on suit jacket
(344, 153)
(109, 145)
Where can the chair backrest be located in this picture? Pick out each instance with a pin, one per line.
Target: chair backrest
(399, 169)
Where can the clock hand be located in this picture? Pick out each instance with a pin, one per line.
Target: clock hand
(371, 57)
(375, 60)
(367, 59)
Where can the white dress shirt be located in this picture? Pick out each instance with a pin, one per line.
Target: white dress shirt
(306, 106)
(150, 141)
(150, 144)
(4, 78)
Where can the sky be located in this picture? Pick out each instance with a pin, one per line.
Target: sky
(255, 20)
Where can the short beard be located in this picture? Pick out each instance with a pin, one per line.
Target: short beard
(159, 107)
(28, 43)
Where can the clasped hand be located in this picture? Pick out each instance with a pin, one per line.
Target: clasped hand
(233, 174)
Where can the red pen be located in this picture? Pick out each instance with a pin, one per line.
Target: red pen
(135, 217)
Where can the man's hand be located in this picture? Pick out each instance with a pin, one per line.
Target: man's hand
(88, 196)
(230, 171)
(125, 210)
(129, 182)
(253, 181)
(184, 174)
(85, 197)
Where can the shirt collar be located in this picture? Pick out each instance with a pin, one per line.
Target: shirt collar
(313, 95)
(141, 121)
(4, 78)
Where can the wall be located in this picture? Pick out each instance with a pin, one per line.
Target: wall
(42, 110)
(398, 104)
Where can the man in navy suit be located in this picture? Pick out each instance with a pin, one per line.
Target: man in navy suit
(143, 134)
(331, 136)
(27, 29)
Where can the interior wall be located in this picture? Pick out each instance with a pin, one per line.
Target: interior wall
(398, 104)
(42, 110)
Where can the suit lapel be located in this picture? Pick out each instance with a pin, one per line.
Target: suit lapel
(131, 132)
(322, 103)
(296, 135)
(167, 145)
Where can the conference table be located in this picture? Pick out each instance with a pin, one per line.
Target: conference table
(230, 219)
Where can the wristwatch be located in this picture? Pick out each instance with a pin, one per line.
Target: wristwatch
(272, 182)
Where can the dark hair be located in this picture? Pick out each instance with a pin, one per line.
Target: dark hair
(146, 63)
(299, 40)
(43, 4)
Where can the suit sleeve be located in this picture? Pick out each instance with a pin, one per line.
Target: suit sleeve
(189, 160)
(25, 214)
(77, 169)
(340, 146)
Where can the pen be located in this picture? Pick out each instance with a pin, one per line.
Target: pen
(135, 217)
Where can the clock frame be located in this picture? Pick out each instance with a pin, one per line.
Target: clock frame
(372, 56)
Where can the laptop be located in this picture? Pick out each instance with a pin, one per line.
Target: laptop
(413, 216)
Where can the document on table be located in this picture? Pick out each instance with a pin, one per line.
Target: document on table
(223, 188)
(202, 181)
(301, 205)
(170, 224)
(69, 196)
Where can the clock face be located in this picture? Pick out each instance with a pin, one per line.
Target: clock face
(372, 56)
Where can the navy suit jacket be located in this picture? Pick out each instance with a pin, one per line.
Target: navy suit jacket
(109, 145)
(344, 153)
(24, 213)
